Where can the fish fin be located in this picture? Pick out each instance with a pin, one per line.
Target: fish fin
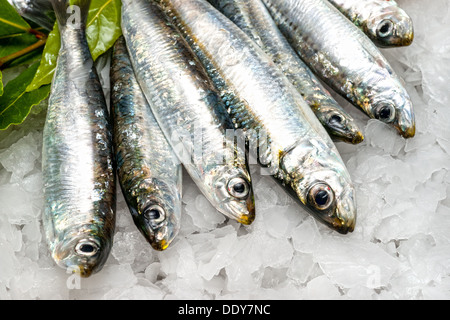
(77, 15)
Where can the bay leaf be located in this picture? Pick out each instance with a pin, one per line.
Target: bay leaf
(16, 102)
(10, 21)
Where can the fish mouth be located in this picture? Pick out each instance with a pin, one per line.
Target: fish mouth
(358, 138)
(160, 238)
(242, 211)
(346, 212)
(337, 223)
(409, 132)
(342, 128)
(160, 245)
(407, 125)
(352, 137)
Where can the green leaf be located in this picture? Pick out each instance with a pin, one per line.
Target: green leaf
(10, 21)
(103, 29)
(16, 103)
(44, 73)
(1, 84)
(17, 42)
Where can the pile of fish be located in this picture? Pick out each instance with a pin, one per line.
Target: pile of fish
(209, 86)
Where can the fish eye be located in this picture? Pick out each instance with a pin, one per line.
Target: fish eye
(155, 214)
(321, 196)
(238, 188)
(336, 120)
(385, 112)
(86, 248)
(385, 28)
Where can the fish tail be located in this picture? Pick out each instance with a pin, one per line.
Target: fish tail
(74, 14)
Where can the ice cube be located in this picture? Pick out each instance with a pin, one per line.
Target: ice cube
(21, 156)
(276, 221)
(15, 204)
(353, 262)
(321, 288)
(152, 271)
(203, 214)
(301, 267)
(306, 236)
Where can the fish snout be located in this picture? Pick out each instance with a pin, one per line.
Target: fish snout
(406, 124)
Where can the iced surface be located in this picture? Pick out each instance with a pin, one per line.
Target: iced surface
(399, 250)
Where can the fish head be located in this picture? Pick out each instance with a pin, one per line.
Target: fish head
(394, 107)
(232, 192)
(157, 212)
(82, 251)
(391, 27)
(340, 125)
(322, 184)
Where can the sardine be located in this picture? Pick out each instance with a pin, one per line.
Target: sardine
(345, 58)
(188, 109)
(383, 21)
(39, 11)
(283, 132)
(77, 161)
(254, 19)
(149, 172)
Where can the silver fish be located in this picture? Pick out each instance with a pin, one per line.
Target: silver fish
(254, 19)
(383, 21)
(77, 162)
(39, 11)
(188, 109)
(345, 58)
(283, 132)
(149, 172)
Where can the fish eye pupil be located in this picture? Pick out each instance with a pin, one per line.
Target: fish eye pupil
(385, 113)
(385, 28)
(239, 187)
(87, 248)
(153, 214)
(321, 197)
(336, 118)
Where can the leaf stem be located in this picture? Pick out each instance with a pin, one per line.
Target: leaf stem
(22, 52)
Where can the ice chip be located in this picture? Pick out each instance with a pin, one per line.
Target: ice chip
(301, 268)
(306, 236)
(321, 288)
(152, 271)
(352, 262)
(20, 158)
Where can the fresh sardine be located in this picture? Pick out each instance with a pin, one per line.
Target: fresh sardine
(345, 58)
(383, 21)
(77, 161)
(39, 11)
(149, 172)
(254, 19)
(188, 109)
(283, 132)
